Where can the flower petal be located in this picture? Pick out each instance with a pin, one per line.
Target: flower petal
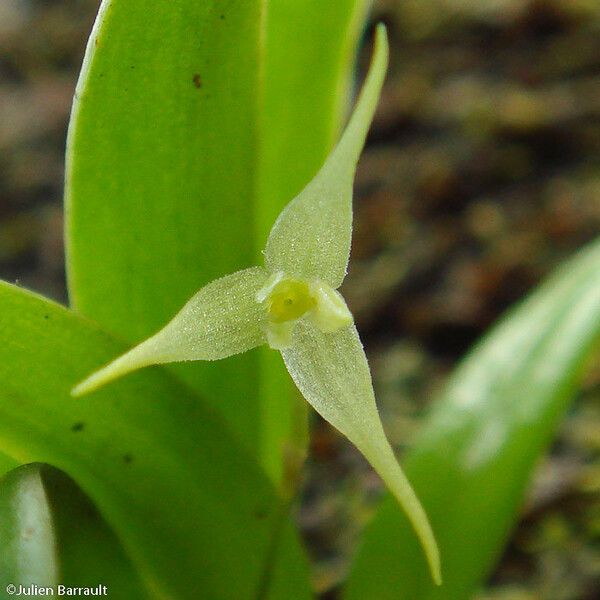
(311, 237)
(220, 320)
(331, 371)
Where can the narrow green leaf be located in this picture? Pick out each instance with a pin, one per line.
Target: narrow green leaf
(476, 453)
(51, 534)
(174, 165)
(186, 502)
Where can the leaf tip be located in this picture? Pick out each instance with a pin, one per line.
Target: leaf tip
(381, 34)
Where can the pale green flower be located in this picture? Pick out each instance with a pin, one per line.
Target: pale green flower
(292, 304)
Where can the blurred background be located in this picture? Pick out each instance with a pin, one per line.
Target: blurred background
(481, 174)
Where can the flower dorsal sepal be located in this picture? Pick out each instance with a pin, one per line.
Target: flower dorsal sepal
(288, 299)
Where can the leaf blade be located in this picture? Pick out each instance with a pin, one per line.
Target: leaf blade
(52, 534)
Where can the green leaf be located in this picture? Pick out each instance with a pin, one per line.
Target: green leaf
(7, 463)
(186, 502)
(286, 575)
(475, 456)
(50, 534)
(174, 165)
(159, 173)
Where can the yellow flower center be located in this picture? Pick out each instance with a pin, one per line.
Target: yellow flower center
(287, 300)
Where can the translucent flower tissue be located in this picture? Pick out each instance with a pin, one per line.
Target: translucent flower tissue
(293, 305)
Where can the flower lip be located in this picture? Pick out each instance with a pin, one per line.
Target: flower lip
(288, 299)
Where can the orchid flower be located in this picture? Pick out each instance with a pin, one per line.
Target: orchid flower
(293, 305)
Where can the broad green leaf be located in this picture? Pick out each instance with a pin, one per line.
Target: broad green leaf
(159, 172)
(174, 165)
(51, 534)
(308, 55)
(474, 458)
(186, 502)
